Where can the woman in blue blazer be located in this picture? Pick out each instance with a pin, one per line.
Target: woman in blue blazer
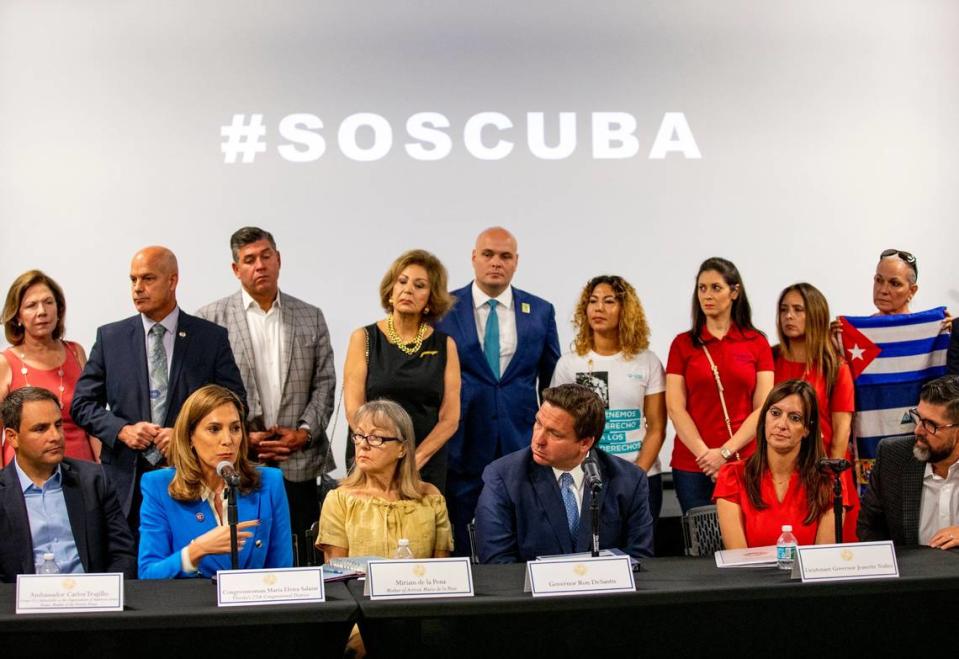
(183, 518)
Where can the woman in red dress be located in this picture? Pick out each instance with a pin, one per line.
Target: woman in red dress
(781, 482)
(39, 357)
(805, 352)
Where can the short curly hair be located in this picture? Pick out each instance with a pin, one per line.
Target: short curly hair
(440, 300)
(633, 328)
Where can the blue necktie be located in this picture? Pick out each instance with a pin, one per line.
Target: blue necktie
(491, 339)
(569, 502)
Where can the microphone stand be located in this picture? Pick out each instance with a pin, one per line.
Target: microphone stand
(594, 516)
(837, 505)
(232, 517)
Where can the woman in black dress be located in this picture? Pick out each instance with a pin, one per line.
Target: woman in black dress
(402, 358)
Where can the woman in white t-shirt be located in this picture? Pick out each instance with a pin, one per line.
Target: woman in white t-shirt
(611, 356)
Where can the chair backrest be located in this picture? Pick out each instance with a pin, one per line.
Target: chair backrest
(313, 556)
(296, 550)
(701, 535)
(471, 530)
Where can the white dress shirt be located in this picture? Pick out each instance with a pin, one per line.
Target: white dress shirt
(170, 323)
(940, 502)
(507, 322)
(578, 478)
(266, 335)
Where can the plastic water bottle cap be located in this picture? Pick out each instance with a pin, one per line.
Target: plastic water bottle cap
(48, 556)
(787, 528)
(403, 542)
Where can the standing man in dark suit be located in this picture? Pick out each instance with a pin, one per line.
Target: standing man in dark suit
(913, 495)
(55, 505)
(535, 502)
(282, 347)
(504, 365)
(140, 372)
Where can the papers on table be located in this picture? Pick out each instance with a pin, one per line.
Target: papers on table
(750, 557)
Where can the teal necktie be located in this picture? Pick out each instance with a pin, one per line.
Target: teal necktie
(491, 340)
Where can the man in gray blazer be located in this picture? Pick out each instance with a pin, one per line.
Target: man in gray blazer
(913, 495)
(282, 348)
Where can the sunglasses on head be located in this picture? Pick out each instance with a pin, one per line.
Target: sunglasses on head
(905, 256)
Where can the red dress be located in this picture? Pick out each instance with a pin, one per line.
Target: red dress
(843, 399)
(77, 442)
(763, 527)
(739, 356)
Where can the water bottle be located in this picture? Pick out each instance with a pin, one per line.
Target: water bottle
(48, 566)
(403, 551)
(786, 548)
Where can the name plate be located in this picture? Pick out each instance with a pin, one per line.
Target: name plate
(69, 593)
(580, 576)
(428, 577)
(847, 562)
(293, 585)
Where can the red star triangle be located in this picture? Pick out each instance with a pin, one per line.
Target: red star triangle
(858, 349)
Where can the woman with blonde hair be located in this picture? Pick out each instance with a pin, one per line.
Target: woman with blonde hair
(611, 356)
(404, 359)
(184, 530)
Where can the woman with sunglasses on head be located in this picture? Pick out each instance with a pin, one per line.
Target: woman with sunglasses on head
(612, 358)
(805, 352)
(717, 377)
(781, 483)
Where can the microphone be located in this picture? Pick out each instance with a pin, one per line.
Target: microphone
(226, 471)
(835, 465)
(594, 481)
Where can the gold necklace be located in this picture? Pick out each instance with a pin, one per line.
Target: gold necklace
(395, 339)
(24, 371)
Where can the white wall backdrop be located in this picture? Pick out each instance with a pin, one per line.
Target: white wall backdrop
(827, 130)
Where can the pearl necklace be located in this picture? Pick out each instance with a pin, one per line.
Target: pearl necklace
(395, 339)
(24, 371)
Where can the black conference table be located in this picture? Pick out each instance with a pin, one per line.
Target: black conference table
(681, 607)
(180, 619)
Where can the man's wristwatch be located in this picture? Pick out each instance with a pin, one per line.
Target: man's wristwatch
(309, 438)
(726, 453)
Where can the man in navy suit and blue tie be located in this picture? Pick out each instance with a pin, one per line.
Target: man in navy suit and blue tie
(508, 348)
(535, 502)
(140, 372)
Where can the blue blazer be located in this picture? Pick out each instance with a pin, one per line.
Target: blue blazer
(496, 417)
(520, 514)
(116, 377)
(167, 526)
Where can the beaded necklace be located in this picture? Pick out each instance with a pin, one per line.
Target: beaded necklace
(394, 337)
(24, 371)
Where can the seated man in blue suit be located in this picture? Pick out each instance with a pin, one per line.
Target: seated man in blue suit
(55, 505)
(504, 365)
(534, 502)
(140, 371)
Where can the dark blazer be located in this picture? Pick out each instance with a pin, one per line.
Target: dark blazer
(952, 359)
(167, 526)
(496, 417)
(890, 507)
(520, 514)
(116, 377)
(100, 529)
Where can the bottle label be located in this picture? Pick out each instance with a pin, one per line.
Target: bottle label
(786, 552)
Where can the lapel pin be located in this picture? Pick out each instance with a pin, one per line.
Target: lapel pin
(200, 517)
(258, 543)
(182, 334)
(525, 307)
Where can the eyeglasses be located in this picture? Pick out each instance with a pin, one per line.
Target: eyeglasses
(931, 426)
(905, 256)
(372, 440)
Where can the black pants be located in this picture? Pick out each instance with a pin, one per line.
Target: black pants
(304, 502)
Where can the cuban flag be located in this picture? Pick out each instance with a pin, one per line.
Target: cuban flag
(891, 357)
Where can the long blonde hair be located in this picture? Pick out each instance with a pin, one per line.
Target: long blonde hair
(188, 478)
(633, 328)
(387, 414)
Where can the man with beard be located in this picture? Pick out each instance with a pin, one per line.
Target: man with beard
(913, 495)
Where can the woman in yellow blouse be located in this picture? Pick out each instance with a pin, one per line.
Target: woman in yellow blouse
(383, 499)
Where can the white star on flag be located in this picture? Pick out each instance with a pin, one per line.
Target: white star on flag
(856, 351)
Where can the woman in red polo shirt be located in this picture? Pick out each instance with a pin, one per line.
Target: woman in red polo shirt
(781, 483)
(714, 410)
(805, 352)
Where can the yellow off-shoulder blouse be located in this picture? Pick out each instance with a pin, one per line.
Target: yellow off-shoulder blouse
(370, 526)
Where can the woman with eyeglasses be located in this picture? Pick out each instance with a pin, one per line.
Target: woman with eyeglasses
(717, 376)
(383, 498)
(805, 352)
(611, 356)
(781, 482)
